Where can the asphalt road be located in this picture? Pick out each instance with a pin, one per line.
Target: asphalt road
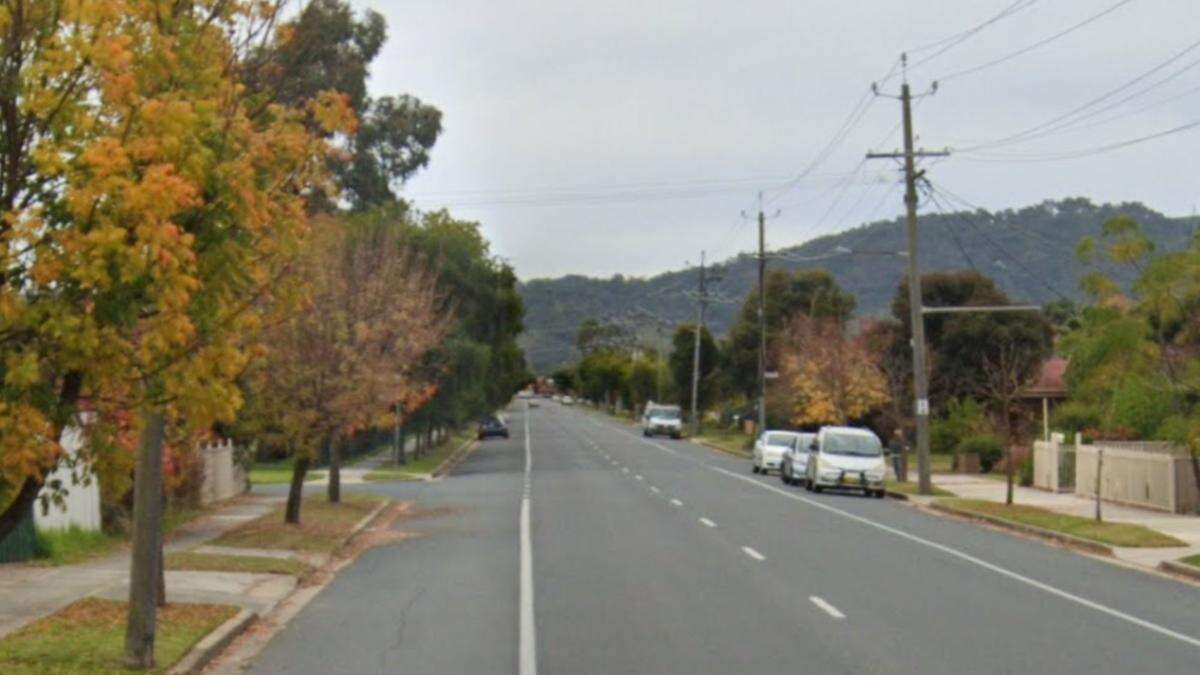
(660, 556)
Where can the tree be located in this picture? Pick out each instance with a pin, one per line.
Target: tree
(326, 47)
(830, 378)
(641, 379)
(812, 293)
(1134, 359)
(958, 344)
(602, 376)
(564, 379)
(348, 347)
(1008, 366)
(683, 346)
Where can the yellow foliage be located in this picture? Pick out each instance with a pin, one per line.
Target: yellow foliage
(829, 378)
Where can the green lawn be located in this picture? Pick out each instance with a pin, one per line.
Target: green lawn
(213, 562)
(88, 636)
(425, 464)
(274, 473)
(73, 545)
(1193, 560)
(390, 475)
(910, 488)
(1113, 534)
(322, 527)
(733, 442)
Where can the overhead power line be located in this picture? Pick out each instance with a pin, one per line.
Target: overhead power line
(1079, 152)
(946, 44)
(1093, 107)
(1036, 45)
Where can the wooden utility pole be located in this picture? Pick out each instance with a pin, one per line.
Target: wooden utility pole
(920, 374)
(703, 305)
(762, 318)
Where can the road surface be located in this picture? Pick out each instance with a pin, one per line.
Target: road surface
(581, 547)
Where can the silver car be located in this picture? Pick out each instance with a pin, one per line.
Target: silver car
(794, 465)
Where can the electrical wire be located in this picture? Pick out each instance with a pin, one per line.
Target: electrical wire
(1080, 152)
(1090, 109)
(1036, 45)
(946, 44)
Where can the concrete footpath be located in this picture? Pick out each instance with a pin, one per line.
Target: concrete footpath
(1184, 528)
(29, 592)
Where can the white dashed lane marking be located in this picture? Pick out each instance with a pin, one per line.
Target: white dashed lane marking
(829, 609)
(707, 523)
(676, 502)
(753, 554)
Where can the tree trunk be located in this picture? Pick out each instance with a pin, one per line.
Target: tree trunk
(403, 456)
(335, 469)
(147, 541)
(1008, 457)
(296, 491)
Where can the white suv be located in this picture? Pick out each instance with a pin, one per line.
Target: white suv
(662, 419)
(846, 457)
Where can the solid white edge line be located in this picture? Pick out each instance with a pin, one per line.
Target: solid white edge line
(707, 523)
(829, 609)
(962, 555)
(527, 651)
(753, 554)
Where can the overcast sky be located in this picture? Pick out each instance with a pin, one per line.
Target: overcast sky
(603, 136)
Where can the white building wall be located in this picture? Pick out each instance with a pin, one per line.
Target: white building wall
(81, 500)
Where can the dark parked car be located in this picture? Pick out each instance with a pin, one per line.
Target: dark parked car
(492, 426)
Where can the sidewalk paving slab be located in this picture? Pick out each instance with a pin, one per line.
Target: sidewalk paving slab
(29, 592)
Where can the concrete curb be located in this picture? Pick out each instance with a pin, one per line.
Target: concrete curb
(1180, 568)
(213, 644)
(1058, 537)
(363, 522)
(900, 496)
(455, 457)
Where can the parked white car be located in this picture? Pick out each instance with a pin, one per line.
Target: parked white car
(662, 419)
(567, 400)
(846, 457)
(769, 449)
(795, 461)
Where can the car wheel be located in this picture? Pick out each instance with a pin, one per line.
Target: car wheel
(754, 468)
(879, 494)
(646, 433)
(783, 476)
(817, 488)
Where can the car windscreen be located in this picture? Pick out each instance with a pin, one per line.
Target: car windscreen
(855, 445)
(784, 440)
(664, 413)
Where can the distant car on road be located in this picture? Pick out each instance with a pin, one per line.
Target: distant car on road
(769, 449)
(794, 465)
(567, 400)
(662, 419)
(492, 426)
(846, 457)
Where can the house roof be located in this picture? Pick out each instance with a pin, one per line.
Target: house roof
(1051, 380)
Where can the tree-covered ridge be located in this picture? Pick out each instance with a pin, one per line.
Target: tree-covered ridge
(1029, 252)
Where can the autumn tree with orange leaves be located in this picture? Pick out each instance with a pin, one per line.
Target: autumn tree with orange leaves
(829, 377)
(347, 347)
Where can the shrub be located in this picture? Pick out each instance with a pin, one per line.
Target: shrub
(988, 447)
(1074, 417)
(961, 419)
(1026, 471)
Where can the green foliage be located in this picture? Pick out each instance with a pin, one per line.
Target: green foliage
(641, 381)
(602, 376)
(1025, 471)
(989, 448)
(961, 419)
(73, 545)
(564, 379)
(967, 349)
(1071, 417)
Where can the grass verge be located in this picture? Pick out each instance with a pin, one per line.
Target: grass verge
(1193, 560)
(911, 489)
(733, 442)
(274, 473)
(88, 636)
(390, 474)
(215, 562)
(73, 545)
(323, 525)
(1112, 534)
(426, 463)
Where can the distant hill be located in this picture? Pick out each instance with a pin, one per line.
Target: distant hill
(1030, 253)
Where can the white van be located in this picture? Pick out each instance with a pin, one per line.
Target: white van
(662, 419)
(846, 457)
